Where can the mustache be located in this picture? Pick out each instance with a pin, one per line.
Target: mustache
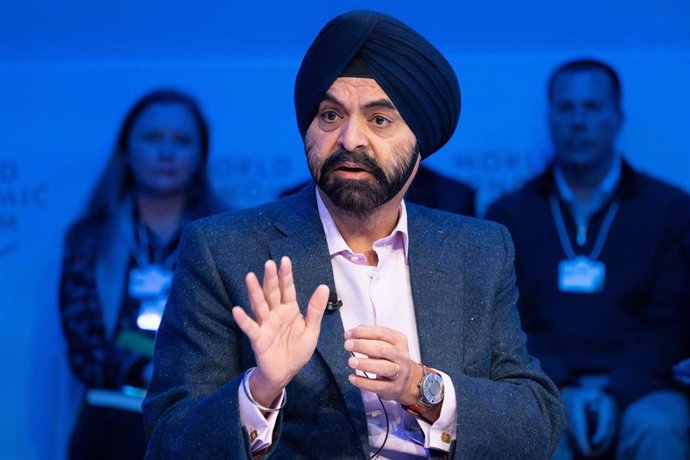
(355, 156)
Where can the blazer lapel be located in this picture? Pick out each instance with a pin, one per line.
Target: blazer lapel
(437, 293)
(305, 243)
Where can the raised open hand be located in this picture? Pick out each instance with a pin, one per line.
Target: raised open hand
(282, 338)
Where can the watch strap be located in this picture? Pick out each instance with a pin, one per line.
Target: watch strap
(420, 406)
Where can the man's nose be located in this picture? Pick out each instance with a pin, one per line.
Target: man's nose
(353, 134)
(578, 118)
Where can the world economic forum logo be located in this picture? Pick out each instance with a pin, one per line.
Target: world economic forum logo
(244, 180)
(16, 198)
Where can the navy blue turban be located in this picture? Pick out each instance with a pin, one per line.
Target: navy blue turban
(413, 73)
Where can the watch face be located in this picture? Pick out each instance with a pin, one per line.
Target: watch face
(432, 389)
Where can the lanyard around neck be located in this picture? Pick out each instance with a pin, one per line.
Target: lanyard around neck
(563, 234)
(140, 247)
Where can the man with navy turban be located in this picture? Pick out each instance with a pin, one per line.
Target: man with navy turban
(341, 322)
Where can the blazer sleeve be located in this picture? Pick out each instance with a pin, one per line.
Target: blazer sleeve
(192, 408)
(506, 404)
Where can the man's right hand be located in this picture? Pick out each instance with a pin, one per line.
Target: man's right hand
(576, 400)
(590, 440)
(282, 339)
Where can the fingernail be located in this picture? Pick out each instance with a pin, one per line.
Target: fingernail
(349, 345)
(348, 334)
(353, 362)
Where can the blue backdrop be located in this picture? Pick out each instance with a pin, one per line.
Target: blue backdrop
(70, 69)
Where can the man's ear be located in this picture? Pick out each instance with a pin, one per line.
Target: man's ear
(621, 120)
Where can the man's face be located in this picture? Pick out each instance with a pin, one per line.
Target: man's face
(584, 119)
(360, 151)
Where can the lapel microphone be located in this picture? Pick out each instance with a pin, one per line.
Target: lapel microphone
(333, 303)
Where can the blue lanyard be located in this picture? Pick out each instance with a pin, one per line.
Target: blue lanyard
(563, 234)
(140, 248)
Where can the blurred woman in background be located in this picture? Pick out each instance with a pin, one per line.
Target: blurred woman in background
(118, 264)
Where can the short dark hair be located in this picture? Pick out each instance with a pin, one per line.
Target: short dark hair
(587, 65)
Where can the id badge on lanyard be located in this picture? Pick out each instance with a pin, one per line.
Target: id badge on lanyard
(151, 286)
(149, 283)
(581, 275)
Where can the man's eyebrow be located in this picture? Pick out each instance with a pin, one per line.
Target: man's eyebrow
(380, 104)
(328, 97)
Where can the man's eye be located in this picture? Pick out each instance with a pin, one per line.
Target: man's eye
(381, 121)
(593, 106)
(182, 139)
(329, 115)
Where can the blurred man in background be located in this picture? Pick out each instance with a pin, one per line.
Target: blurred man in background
(602, 276)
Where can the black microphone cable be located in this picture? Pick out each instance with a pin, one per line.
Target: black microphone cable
(334, 305)
(385, 412)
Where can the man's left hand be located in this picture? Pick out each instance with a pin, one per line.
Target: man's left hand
(606, 410)
(387, 356)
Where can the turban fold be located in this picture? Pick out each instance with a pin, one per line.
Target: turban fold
(412, 72)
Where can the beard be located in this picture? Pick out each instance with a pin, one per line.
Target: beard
(361, 196)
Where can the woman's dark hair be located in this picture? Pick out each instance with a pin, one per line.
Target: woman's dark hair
(117, 180)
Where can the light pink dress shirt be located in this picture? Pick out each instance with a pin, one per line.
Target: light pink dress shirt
(375, 295)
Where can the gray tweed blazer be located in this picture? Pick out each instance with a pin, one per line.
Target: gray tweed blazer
(464, 294)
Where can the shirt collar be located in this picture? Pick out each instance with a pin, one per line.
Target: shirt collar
(336, 243)
(605, 188)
